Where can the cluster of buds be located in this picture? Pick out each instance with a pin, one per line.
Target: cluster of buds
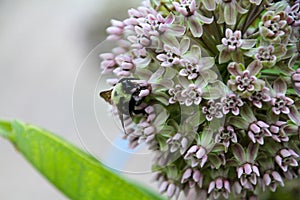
(222, 115)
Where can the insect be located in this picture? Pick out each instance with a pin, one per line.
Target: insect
(125, 95)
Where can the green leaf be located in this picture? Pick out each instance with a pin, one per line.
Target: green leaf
(162, 143)
(237, 56)
(238, 122)
(77, 174)
(224, 55)
(215, 160)
(239, 153)
(252, 152)
(218, 148)
(215, 90)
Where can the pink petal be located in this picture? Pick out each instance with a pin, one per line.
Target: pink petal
(228, 32)
(195, 26)
(253, 179)
(293, 153)
(219, 183)
(184, 45)
(260, 140)
(171, 190)
(204, 159)
(275, 111)
(284, 168)
(200, 153)
(278, 160)
(251, 136)
(149, 130)
(194, 163)
(274, 129)
(294, 163)
(227, 185)
(186, 175)
(240, 171)
(170, 18)
(197, 176)
(280, 86)
(255, 128)
(254, 67)
(193, 149)
(243, 180)
(230, 14)
(285, 110)
(296, 77)
(235, 111)
(267, 179)
(224, 41)
(258, 104)
(211, 186)
(248, 168)
(235, 69)
(277, 177)
(163, 187)
(285, 153)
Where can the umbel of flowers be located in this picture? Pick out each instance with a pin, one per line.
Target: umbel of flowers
(217, 87)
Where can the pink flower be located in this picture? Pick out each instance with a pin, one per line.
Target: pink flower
(296, 80)
(280, 103)
(218, 187)
(258, 97)
(244, 81)
(257, 131)
(225, 135)
(194, 20)
(197, 155)
(192, 176)
(232, 103)
(248, 175)
(278, 131)
(272, 179)
(233, 40)
(293, 15)
(212, 110)
(286, 158)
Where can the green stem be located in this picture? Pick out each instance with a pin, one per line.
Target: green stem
(217, 30)
(209, 32)
(270, 72)
(206, 47)
(251, 10)
(201, 42)
(257, 11)
(254, 35)
(210, 43)
(167, 8)
(162, 5)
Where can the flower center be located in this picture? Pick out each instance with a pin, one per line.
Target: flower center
(257, 96)
(244, 82)
(265, 54)
(287, 161)
(233, 40)
(226, 135)
(293, 15)
(280, 102)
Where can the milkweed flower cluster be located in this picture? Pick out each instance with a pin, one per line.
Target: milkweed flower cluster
(221, 106)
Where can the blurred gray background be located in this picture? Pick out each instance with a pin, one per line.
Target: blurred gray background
(42, 47)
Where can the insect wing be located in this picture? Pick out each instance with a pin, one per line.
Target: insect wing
(121, 116)
(106, 95)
